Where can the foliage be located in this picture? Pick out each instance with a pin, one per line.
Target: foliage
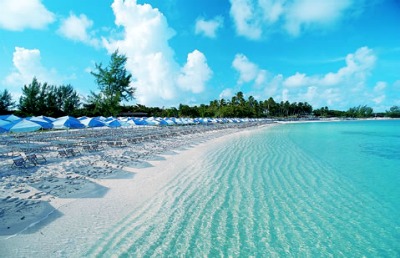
(56, 101)
(360, 112)
(6, 103)
(237, 106)
(326, 112)
(48, 100)
(114, 85)
(394, 112)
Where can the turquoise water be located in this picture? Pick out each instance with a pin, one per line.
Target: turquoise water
(294, 190)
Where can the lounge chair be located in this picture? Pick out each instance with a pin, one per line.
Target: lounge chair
(36, 159)
(63, 153)
(87, 148)
(72, 151)
(20, 162)
(96, 147)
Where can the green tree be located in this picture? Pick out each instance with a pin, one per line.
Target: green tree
(114, 85)
(6, 102)
(360, 112)
(68, 99)
(394, 112)
(29, 101)
(49, 100)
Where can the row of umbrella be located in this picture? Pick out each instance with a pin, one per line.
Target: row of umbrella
(12, 123)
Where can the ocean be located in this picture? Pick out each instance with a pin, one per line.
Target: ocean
(290, 190)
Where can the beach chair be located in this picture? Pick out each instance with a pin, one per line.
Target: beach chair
(36, 158)
(20, 162)
(97, 147)
(120, 144)
(87, 148)
(63, 153)
(72, 152)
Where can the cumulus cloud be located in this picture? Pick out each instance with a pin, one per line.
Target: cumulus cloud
(77, 28)
(24, 14)
(338, 88)
(350, 80)
(297, 80)
(226, 94)
(209, 27)
(144, 41)
(303, 14)
(246, 19)
(248, 71)
(195, 73)
(253, 18)
(27, 64)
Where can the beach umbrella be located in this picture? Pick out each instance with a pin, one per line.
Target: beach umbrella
(3, 122)
(21, 126)
(10, 118)
(67, 122)
(139, 121)
(110, 118)
(101, 118)
(42, 122)
(113, 123)
(92, 122)
(152, 121)
(46, 118)
(127, 121)
(166, 122)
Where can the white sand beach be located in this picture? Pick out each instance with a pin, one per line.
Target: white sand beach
(64, 206)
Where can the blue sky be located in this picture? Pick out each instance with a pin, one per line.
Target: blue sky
(335, 53)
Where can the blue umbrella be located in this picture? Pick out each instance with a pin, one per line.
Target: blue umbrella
(3, 122)
(46, 118)
(10, 118)
(21, 126)
(114, 123)
(92, 122)
(139, 121)
(67, 122)
(44, 123)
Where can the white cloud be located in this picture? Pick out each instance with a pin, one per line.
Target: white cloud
(247, 22)
(248, 71)
(27, 64)
(226, 94)
(285, 95)
(271, 10)
(77, 28)
(144, 41)
(253, 18)
(297, 80)
(195, 73)
(379, 99)
(273, 86)
(380, 86)
(17, 15)
(209, 28)
(347, 85)
(303, 14)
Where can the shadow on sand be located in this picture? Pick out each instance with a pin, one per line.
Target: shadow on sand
(26, 216)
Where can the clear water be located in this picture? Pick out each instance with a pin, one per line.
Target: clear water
(308, 190)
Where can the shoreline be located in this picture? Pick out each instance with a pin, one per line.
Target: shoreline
(81, 197)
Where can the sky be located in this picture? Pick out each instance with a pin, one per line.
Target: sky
(335, 53)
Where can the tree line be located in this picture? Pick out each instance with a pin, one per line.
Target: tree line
(114, 87)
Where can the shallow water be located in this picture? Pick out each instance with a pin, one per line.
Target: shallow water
(315, 189)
